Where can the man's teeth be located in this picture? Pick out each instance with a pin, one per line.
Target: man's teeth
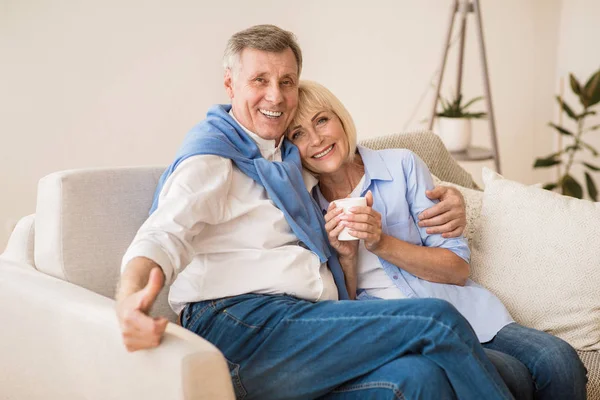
(273, 114)
(324, 152)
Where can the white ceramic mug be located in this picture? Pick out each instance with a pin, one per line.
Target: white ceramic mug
(346, 204)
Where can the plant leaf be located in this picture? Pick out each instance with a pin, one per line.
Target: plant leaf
(592, 89)
(575, 84)
(591, 187)
(585, 114)
(593, 128)
(591, 166)
(561, 129)
(546, 162)
(566, 108)
(550, 186)
(471, 102)
(570, 187)
(590, 148)
(478, 115)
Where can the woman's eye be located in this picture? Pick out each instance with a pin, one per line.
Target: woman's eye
(296, 135)
(322, 120)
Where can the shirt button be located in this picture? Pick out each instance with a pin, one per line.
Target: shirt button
(395, 276)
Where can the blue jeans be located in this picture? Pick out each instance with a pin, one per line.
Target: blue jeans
(280, 347)
(554, 365)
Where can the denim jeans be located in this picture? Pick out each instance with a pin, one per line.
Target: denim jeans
(557, 371)
(280, 347)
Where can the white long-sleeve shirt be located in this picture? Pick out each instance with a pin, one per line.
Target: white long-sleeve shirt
(216, 233)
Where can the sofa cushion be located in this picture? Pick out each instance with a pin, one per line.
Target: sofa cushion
(538, 252)
(85, 219)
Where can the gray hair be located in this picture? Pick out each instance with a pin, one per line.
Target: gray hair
(260, 37)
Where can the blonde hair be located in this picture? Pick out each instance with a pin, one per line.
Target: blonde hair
(313, 98)
(268, 38)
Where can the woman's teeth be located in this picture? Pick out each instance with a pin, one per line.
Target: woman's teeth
(271, 114)
(324, 152)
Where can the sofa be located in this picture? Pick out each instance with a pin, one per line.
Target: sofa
(58, 274)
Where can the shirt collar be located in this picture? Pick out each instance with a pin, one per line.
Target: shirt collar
(375, 167)
(265, 145)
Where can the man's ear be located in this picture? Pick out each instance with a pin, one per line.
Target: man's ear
(228, 82)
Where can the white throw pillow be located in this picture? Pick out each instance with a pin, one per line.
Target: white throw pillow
(539, 252)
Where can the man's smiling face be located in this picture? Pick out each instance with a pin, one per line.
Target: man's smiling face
(263, 88)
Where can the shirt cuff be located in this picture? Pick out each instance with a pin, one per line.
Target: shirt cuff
(153, 252)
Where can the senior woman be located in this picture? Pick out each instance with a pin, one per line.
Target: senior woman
(397, 259)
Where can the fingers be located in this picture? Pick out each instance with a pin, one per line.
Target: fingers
(369, 198)
(435, 210)
(334, 233)
(436, 193)
(455, 233)
(140, 331)
(152, 289)
(441, 219)
(447, 227)
(332, 213)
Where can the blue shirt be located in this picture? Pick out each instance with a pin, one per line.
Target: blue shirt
(398, 179)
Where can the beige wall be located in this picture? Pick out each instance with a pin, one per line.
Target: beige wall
(88, 83)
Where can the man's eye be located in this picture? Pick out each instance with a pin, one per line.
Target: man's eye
(287, 82)
(260, 80)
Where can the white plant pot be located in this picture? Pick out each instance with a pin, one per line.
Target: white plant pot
(455, 133)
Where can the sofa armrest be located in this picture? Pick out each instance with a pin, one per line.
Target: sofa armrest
(62, 341)
(20, 243)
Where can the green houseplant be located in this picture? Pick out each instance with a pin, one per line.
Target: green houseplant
(589, 96)
(454, 122)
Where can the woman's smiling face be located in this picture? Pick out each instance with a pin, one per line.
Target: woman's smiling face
(322, 142)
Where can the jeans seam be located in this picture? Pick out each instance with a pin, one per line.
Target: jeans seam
(447, 327)
(197, 315)
(236, 380)
(372, 385)
(238, 321)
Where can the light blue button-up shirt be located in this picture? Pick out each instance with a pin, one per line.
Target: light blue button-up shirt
(398, 179)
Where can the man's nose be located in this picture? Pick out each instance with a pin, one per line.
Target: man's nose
(274, 94)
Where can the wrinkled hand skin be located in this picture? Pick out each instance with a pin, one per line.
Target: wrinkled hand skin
(448, 217)
(139, 330)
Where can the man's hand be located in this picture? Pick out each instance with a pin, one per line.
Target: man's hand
(139, 330)
(448, 217)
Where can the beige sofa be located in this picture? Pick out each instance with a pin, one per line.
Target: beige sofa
(59, 337)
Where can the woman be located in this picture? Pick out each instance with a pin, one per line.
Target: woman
(398, 259)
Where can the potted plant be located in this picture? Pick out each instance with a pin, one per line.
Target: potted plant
(454, 123)
(589, 96)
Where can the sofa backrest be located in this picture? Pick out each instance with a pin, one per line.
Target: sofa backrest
(430, 148)
(86, 219)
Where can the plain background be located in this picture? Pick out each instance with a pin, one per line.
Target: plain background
(119, 82)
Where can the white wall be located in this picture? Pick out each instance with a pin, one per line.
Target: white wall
(88, 83)
(578, 54)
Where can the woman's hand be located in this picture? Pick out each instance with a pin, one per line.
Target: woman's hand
(448, 217)
(345, 249)
(364, 223)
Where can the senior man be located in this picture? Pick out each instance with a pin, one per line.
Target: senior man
(240, 240)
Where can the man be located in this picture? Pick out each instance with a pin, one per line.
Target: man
(250, 269)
